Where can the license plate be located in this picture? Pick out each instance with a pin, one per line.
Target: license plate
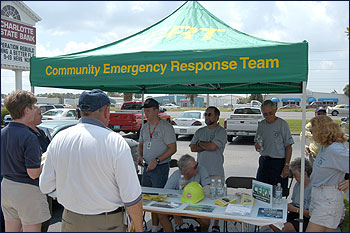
(116, 126)
(242, 133)
(183, 131)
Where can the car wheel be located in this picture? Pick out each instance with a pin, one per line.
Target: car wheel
(229, 138)
(335, 113)
(177, 136)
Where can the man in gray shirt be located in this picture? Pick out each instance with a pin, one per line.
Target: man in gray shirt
(191, 172)
(157, 143)
(273, 141)
(210, 143)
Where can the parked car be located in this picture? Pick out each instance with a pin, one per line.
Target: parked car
(52, 127)
(59, 114)
(170, 106)
(290, 106)
(341, 109)
(188, 122)
(45, 107)
(345, 125)
(7, 119)
(58, 105)
(317, 104)
(243, 122)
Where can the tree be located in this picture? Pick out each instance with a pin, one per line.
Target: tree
(127, 97)
(191, 97)
(346, 90)
(242, 100)
(347, 32)
(258, 97)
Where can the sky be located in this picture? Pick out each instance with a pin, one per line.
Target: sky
(74, 26)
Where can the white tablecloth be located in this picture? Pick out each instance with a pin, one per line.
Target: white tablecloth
(219, 212)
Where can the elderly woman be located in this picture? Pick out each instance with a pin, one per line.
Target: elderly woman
(292, 224)
(329, 169)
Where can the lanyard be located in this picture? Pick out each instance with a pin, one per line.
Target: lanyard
(149, 129)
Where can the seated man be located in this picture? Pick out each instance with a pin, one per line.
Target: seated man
(292, 224)
(192, 172)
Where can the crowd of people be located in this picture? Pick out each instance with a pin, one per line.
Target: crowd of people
(92, 171)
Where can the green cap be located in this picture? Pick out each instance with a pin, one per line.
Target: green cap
(192, 193)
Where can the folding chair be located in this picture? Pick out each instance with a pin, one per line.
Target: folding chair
(173, 163)
(239, 182)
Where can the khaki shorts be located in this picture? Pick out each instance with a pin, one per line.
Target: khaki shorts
(74, 222)
(327, 206)
(23, 202)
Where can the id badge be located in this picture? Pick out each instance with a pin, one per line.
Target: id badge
(148, 145)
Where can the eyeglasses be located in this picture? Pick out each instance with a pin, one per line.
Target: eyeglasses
(208, 114)
(268, 113)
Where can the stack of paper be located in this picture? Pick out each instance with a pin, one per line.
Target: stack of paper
(235, 209)
(224, 201)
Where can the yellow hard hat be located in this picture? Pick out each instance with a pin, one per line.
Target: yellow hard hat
(192, 193)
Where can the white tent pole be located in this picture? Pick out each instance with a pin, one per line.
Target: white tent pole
(143, 110)
(302, 151)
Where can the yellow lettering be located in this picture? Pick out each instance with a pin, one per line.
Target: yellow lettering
(155, 68)
(274, 63)
(224, 65)
(124, 69)
(183, 67)
(216, 63)
(115, 69)
(54, 71)
(199, 68)
(142, 68)
(191, 66)
(244, 61)
(135, 70)
(129, 66)
(47, 68)
(210, 32)
(188, 34)
(149, 66)
(233, 65)
(70, 70)
(175, 64)
(252, 64)
(163, 67)
(106, 68)
(206, 67)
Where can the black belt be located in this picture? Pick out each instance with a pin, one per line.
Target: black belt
(120, 209)
(270, 158)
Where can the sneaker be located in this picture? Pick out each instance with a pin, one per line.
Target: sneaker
(215, 229)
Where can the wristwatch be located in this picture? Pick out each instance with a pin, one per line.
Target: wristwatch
(286, 164)
(158, 160)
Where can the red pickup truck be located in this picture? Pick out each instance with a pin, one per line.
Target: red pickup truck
(129, 118)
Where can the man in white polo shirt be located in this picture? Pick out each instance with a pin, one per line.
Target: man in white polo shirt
(92, 170)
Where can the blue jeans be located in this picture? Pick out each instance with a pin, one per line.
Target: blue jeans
(157, 177)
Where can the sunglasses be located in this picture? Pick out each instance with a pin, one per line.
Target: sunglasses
(208, 114)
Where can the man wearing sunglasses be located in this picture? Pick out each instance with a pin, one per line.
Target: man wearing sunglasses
(191, 171)
(209, 142)
(273, 141)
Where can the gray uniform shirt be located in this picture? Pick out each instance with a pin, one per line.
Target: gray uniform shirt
(213, 161)
(275, 138)
(330, 166)
(296, 195)
(162, 136)
(202, 178)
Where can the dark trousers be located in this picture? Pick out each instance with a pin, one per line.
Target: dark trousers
(269, 172)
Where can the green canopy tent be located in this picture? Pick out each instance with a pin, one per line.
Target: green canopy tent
(190, 51)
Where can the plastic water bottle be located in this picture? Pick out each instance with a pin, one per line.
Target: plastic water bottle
(259, 140)
(278, 192)
(182, 183)
(212, 189)
(219, 189)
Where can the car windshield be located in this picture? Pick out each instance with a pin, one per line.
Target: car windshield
(196, 115)
(132, 106)
(247, 111)
(53, 113)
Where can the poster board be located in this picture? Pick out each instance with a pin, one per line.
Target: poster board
(263, 193)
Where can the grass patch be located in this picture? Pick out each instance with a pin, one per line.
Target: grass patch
(295, 125)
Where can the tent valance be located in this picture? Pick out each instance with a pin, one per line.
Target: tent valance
(190, 51)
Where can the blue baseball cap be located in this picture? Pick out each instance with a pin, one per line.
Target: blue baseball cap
(90, 101)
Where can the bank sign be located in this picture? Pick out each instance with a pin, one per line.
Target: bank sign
(17, 44)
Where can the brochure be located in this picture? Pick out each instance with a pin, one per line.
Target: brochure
(146, 202)
(166, 204)
(224, 201)
(200, 208)
(270, 213)
(236, 209)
